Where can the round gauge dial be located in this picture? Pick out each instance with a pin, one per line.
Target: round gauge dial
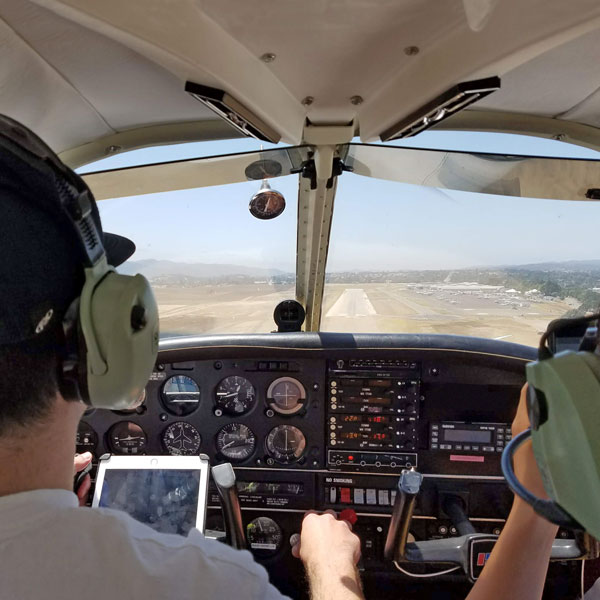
(126, 438)
(235, 395)
(87, 438)
(286, 395)
(262, 169)
(264, 535)
(267, 203)
(180, 395)
(181, 439)
(236, 441)
(286, 443)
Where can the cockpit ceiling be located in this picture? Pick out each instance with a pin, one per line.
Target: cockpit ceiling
(88, 75)
(73, 85)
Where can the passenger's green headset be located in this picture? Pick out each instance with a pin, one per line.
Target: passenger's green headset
(111, 330)
(563, 403)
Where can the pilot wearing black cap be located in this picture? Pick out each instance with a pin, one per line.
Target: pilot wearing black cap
(40, 269)
(74, 332)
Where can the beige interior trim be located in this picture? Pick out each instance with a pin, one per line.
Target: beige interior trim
(315, 211)
(506, 122)
(156, 135)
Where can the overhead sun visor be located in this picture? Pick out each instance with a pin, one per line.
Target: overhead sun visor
(480, 173)
(196, 173)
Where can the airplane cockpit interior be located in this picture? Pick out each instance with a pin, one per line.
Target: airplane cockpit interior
(358, 219)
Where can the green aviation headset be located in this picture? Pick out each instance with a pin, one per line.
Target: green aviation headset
(111, 330)
(563, 403)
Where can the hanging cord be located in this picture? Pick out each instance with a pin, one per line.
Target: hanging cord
(425, 575)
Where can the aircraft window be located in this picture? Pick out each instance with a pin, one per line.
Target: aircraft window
(501, 143)
(213, 266)
(429, 260)
(154, 154)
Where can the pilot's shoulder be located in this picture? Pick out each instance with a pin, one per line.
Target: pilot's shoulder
(594, 592)
(193, 560)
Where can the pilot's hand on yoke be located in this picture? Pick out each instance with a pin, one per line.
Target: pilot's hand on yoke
(518, 564)
(80, 462)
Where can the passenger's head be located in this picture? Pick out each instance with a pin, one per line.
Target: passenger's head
(41, 275)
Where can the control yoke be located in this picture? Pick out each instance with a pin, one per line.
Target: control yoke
(470, 550)
(224, 478)
(404, 505)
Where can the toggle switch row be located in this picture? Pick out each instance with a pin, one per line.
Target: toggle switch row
(361, 496)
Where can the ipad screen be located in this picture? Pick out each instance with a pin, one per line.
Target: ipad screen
(164, 499)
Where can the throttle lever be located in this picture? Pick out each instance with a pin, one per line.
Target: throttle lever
(409, 485)
(224, 478)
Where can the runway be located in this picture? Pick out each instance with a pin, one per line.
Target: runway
(353, 302)
(370, 308)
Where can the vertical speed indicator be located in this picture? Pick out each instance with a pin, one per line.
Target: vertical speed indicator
(236, 441)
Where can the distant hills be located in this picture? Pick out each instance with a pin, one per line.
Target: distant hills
(171, 273)
(163, 268)
(567, 265)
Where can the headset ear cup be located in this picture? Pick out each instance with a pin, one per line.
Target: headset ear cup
(124, 322)
(72, 376)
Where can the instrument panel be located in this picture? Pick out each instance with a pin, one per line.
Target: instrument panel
(359, 415)
(237, 411)
(329, 421)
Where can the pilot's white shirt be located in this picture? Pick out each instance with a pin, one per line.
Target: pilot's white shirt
(594, 592)
(52, 549)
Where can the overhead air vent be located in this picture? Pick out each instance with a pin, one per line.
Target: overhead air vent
(442, 107)
(234, 112)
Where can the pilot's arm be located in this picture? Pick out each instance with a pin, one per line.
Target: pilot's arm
(330, 553)
(518, 564)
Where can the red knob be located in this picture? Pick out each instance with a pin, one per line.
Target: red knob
(349, 515)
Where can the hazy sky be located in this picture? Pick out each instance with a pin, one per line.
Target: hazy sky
(377, 224)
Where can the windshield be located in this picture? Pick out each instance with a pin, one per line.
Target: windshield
(214, 268)
(424, 259)
(422, 241)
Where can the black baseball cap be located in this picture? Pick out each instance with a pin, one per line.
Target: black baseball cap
(41, 258)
